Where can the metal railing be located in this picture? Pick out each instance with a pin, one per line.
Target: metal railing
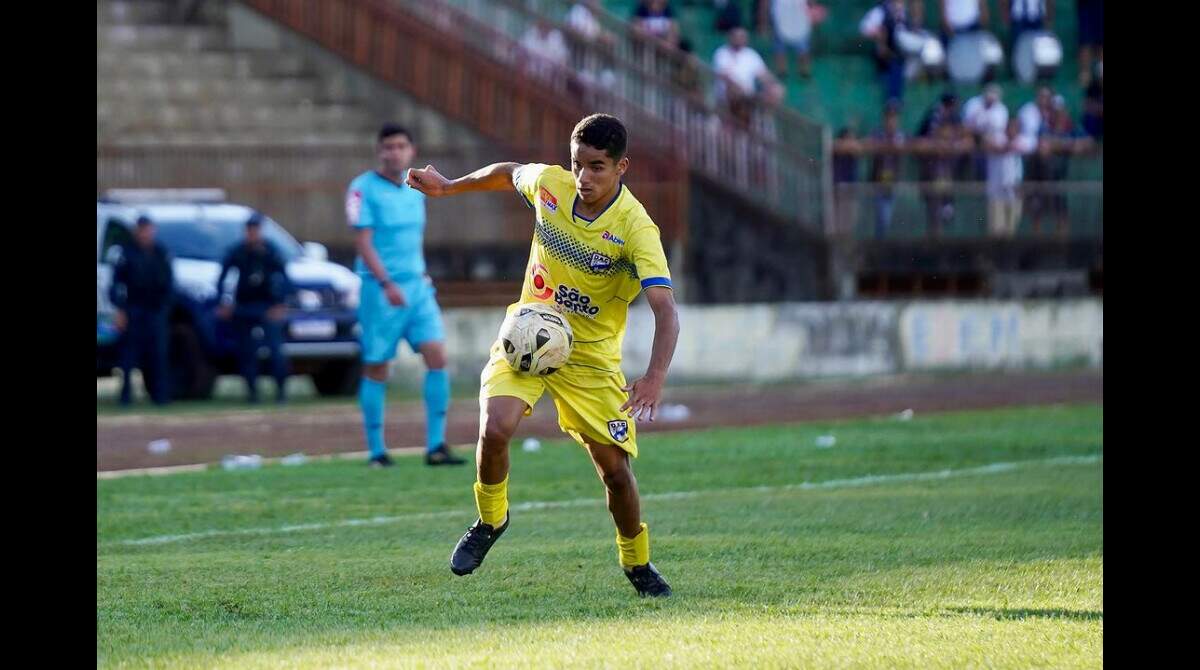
(775, 157)
(941, 190)
(433, 53)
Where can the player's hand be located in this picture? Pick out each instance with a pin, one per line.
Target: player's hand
(120, 320)
(395, 296)
(225, 312)
(428, 181)
(645, 394)
(276, 312)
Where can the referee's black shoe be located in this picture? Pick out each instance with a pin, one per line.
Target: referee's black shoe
(474, 545)
(442, 456)
(381, 461)
(647, 580)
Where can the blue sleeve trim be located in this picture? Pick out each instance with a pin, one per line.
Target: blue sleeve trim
(657, 281)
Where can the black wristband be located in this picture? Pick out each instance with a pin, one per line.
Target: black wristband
(384, 283)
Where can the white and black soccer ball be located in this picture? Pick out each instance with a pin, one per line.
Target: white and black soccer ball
(537, 339)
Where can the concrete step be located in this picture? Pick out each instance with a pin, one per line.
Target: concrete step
(115, 118)
(285, 90)
(338, 142)
(158, 36)
(143, 12)
(115, 63)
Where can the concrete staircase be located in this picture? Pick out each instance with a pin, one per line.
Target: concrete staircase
(159, 82)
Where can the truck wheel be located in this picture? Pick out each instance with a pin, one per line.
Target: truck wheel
(338, 378)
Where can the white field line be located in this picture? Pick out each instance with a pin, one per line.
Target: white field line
(852, 482)
(196, 467)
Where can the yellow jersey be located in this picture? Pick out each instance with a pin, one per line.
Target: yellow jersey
(590, 269)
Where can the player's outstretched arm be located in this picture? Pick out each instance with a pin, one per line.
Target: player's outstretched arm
(645, 394)
(494, 177)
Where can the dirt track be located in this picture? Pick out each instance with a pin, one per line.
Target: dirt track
(121, 441)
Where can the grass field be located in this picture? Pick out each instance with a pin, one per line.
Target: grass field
(781, 554)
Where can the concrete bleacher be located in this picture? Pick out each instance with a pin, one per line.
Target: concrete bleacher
(159, 82)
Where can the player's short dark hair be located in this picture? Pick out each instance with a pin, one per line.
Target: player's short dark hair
(144, 220)
(390, 129)
(255, 220)
(604, 132)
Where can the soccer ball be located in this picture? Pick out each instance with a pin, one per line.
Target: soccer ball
(537, 339)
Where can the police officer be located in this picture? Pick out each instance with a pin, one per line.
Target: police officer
(257, 307)
(141, 291)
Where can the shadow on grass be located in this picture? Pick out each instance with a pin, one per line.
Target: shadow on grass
(1003, 614)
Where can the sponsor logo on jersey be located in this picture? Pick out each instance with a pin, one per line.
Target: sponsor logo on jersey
(613, 238)
(539, 282)
(548, 200)
(599, 262)
(619, 430)
(353, 206)
(572, 301)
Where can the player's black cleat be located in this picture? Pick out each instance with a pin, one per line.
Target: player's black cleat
(648, 582)
(381, 461)
(442, 456)
(474, 545)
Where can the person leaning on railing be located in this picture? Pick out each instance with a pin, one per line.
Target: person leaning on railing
(1059, 140)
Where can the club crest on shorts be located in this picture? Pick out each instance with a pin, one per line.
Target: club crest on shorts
(619, 430)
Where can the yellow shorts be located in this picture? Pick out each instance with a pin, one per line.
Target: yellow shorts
(588, 404)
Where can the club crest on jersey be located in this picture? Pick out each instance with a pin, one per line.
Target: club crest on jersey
(613, 238)
(600, 262)
(548, 200)
(619, 430)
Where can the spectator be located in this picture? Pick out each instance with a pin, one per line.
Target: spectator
(885, 167)
(729, 15)
(1006, 150)
(942, 135)
(686, 73)
(1023, 15)
(257, 306)
(582, 20)
(1058, 141)
(547, 49)
(962, 16)
(1036, 113)
(1093, 108)
(654, 19)
(1091, 38)
(884, 24)
(791, 23)
(141, 291)
(744, 78)
(846, 149)
(984, 116)
(593, 56)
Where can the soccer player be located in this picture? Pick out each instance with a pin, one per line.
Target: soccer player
(594, 249)
(397, 297)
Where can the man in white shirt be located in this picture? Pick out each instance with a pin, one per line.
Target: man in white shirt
(547, 49)
(962, 16)
(1005, 171)
(792, 27)
(743, 72)
(985, 114)
(582, 19)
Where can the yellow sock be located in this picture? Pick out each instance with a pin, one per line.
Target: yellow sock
(492, 502)
(634, 550)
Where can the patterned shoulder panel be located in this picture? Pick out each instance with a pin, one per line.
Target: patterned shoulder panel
(572, 252)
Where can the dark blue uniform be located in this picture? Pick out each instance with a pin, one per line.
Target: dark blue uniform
(142, 288)
(262, 283)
